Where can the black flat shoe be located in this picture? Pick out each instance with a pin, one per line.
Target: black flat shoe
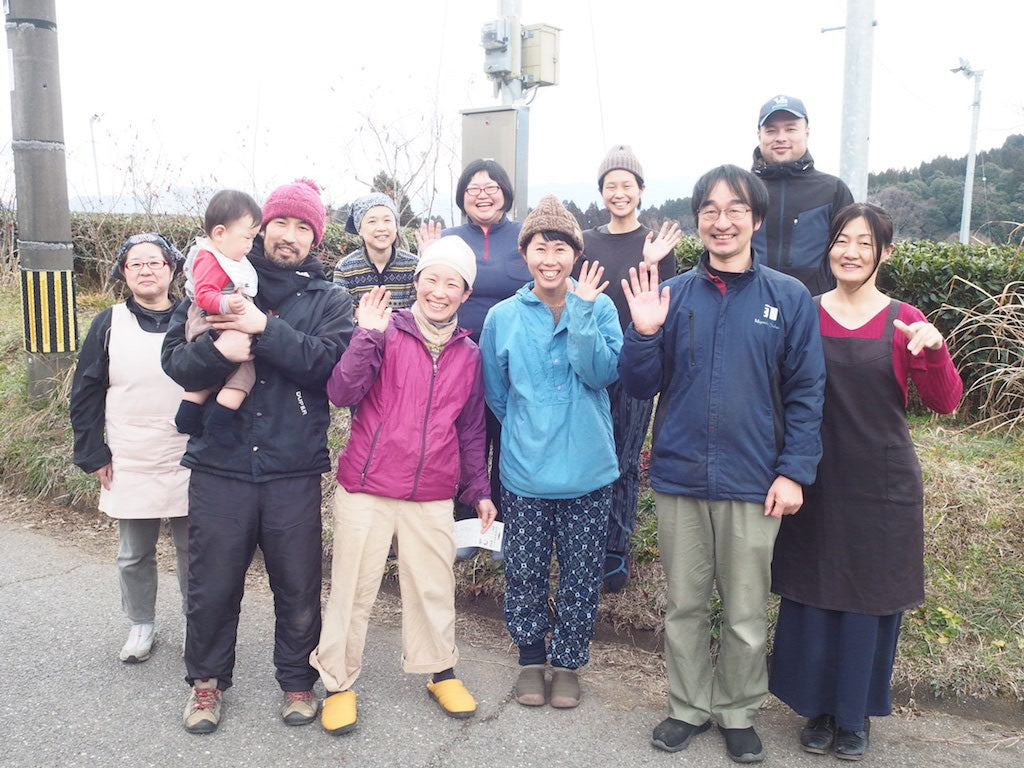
(851, 745)
(819, 733)
(673, 735)
(743, 745)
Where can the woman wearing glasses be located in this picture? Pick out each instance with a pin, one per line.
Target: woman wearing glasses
(484, 194)
(122, 414)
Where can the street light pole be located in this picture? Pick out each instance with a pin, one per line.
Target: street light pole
(965, 211)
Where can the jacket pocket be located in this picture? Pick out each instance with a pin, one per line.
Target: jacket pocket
(808, 237)
(369, 453)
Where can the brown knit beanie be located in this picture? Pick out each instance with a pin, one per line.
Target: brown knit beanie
(620, 157)
(551, 216)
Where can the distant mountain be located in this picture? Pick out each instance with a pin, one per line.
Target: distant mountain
(925, 202)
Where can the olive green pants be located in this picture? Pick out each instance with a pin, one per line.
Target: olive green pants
(707, 544)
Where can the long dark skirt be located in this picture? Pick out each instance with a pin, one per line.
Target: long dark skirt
(832, 662)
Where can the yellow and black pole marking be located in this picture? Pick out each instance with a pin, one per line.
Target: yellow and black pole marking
(48, 299)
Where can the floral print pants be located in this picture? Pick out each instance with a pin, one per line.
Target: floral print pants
(577, 529)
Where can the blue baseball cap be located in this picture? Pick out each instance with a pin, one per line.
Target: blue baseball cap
(782, 103)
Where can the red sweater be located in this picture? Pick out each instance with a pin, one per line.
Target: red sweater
(932, 371)
(208, 277)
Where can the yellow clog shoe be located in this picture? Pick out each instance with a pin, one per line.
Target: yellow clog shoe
(453, 697)
(338, 715)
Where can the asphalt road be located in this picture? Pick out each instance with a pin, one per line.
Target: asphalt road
(68, 701)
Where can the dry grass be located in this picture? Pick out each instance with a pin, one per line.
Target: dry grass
(988, 344)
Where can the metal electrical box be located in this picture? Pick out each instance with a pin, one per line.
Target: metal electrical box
(540, 55)
(501, 54)
(502, 134)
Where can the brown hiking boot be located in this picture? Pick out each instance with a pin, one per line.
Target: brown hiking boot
(202, 710)
(299, 707)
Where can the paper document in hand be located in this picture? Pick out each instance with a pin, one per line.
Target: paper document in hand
(467, 534)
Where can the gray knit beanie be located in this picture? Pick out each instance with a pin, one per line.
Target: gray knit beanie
(551, 216)
(365, 203)
(620, 157)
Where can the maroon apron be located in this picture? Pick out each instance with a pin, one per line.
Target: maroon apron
(857, 544)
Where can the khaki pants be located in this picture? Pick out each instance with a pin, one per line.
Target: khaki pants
(363, 528)
(703, 544)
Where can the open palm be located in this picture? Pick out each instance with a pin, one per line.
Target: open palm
(647, 306)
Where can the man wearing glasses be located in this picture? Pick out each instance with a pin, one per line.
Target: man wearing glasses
(732, 347)
(802, 199)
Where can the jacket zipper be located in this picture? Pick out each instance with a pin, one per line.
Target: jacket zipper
(782, 227)
(487, 240)
(693, 354)
(426, 419)
(369, 456)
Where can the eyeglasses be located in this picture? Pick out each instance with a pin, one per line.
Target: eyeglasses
(154, 265)
(489, 189)
(735, 213)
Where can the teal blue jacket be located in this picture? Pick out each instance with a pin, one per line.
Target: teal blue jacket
(546, 384)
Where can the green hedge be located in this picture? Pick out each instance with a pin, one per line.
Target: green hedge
(97, 239)
(922, 272)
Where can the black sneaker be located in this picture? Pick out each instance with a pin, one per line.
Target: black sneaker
(819, 733)
(851, 745)
(743, 744)
(673, 735)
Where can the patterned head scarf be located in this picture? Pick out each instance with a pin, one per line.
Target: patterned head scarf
(171, 254)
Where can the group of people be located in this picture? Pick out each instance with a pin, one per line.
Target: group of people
(780, 455)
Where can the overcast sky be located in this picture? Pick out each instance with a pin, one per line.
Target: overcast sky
(196, 93)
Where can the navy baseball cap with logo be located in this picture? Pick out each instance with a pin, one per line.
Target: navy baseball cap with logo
(782, 103)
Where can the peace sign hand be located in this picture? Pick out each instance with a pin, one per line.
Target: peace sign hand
(657, 248)
(374, 312)
(922, 335)
(647, 306)
(589, 284)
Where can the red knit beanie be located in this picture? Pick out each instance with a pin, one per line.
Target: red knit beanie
(300, 200)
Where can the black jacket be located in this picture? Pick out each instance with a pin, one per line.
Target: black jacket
(794, 236)
(89, 387)
(281, 428)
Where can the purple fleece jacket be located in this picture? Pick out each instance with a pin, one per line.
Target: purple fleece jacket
(414, 416)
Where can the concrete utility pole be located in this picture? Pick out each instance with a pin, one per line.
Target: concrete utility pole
(853, 158)
(44, 221)
(965, 211)
(511, 90)
(518, 59)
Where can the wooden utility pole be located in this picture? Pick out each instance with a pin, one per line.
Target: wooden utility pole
(40, 173)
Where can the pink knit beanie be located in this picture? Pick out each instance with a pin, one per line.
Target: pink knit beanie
(300, 200)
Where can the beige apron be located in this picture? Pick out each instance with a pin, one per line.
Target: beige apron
(148, 480)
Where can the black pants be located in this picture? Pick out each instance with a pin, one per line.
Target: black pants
(227, 519)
